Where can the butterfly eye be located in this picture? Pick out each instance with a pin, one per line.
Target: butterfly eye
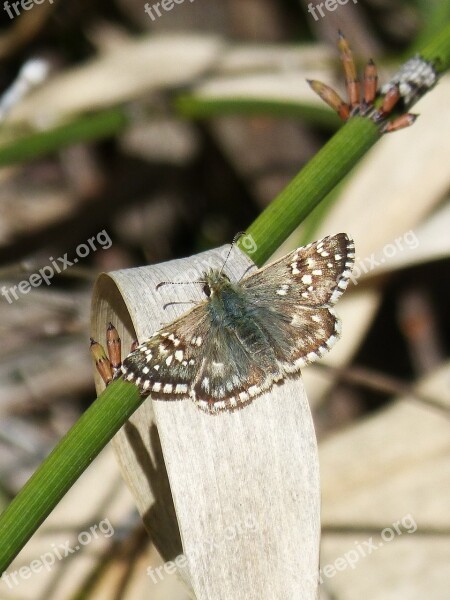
(207, 290)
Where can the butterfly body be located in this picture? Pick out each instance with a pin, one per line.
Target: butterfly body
(247, 335)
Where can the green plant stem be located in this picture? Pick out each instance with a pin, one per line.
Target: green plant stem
(437, 51)
(318, 177)
(82, 129)
(193, 106)
(111, 410)
(432, 15)
(55, 476)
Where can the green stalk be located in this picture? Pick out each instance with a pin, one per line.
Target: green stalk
(192, 106)
(318, 177)
(432, 43)
(111, 410)
(438, 50)
(71, 457)
(82, 129)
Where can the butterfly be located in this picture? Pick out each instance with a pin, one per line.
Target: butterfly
(247, 335)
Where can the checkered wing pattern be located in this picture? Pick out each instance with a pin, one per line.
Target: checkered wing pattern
(293, 299)
(167, 364)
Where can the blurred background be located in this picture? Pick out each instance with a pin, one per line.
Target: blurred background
(153, 133)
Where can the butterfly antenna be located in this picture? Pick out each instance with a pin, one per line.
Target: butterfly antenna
(179, 302)
(233, 243)
(177, 283)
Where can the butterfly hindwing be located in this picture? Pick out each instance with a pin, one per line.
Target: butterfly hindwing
(236, 370)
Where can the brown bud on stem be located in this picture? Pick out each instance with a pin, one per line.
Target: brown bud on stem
(101, 361)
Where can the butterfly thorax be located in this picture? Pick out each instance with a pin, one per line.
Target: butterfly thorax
(226, 303)
(230, 310)
(215, 282)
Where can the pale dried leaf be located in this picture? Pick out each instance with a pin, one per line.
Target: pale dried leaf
(244, 485)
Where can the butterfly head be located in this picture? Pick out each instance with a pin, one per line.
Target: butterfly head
(215, 282)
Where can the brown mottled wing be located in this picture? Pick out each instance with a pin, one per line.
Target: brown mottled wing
(239, 366)
(313, 275)
(293, 298)
(196, 357)
(166, 364)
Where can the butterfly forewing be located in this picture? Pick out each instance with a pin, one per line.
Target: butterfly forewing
(167, 363)
(314, 275)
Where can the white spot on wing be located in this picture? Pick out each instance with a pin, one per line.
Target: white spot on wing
(330, 341)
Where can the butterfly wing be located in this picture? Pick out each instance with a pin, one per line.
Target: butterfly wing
(288, 307)
(292, 299)
(166, 364)
(240, 365)
(287, 322)
(313, 275)
(195, 356)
